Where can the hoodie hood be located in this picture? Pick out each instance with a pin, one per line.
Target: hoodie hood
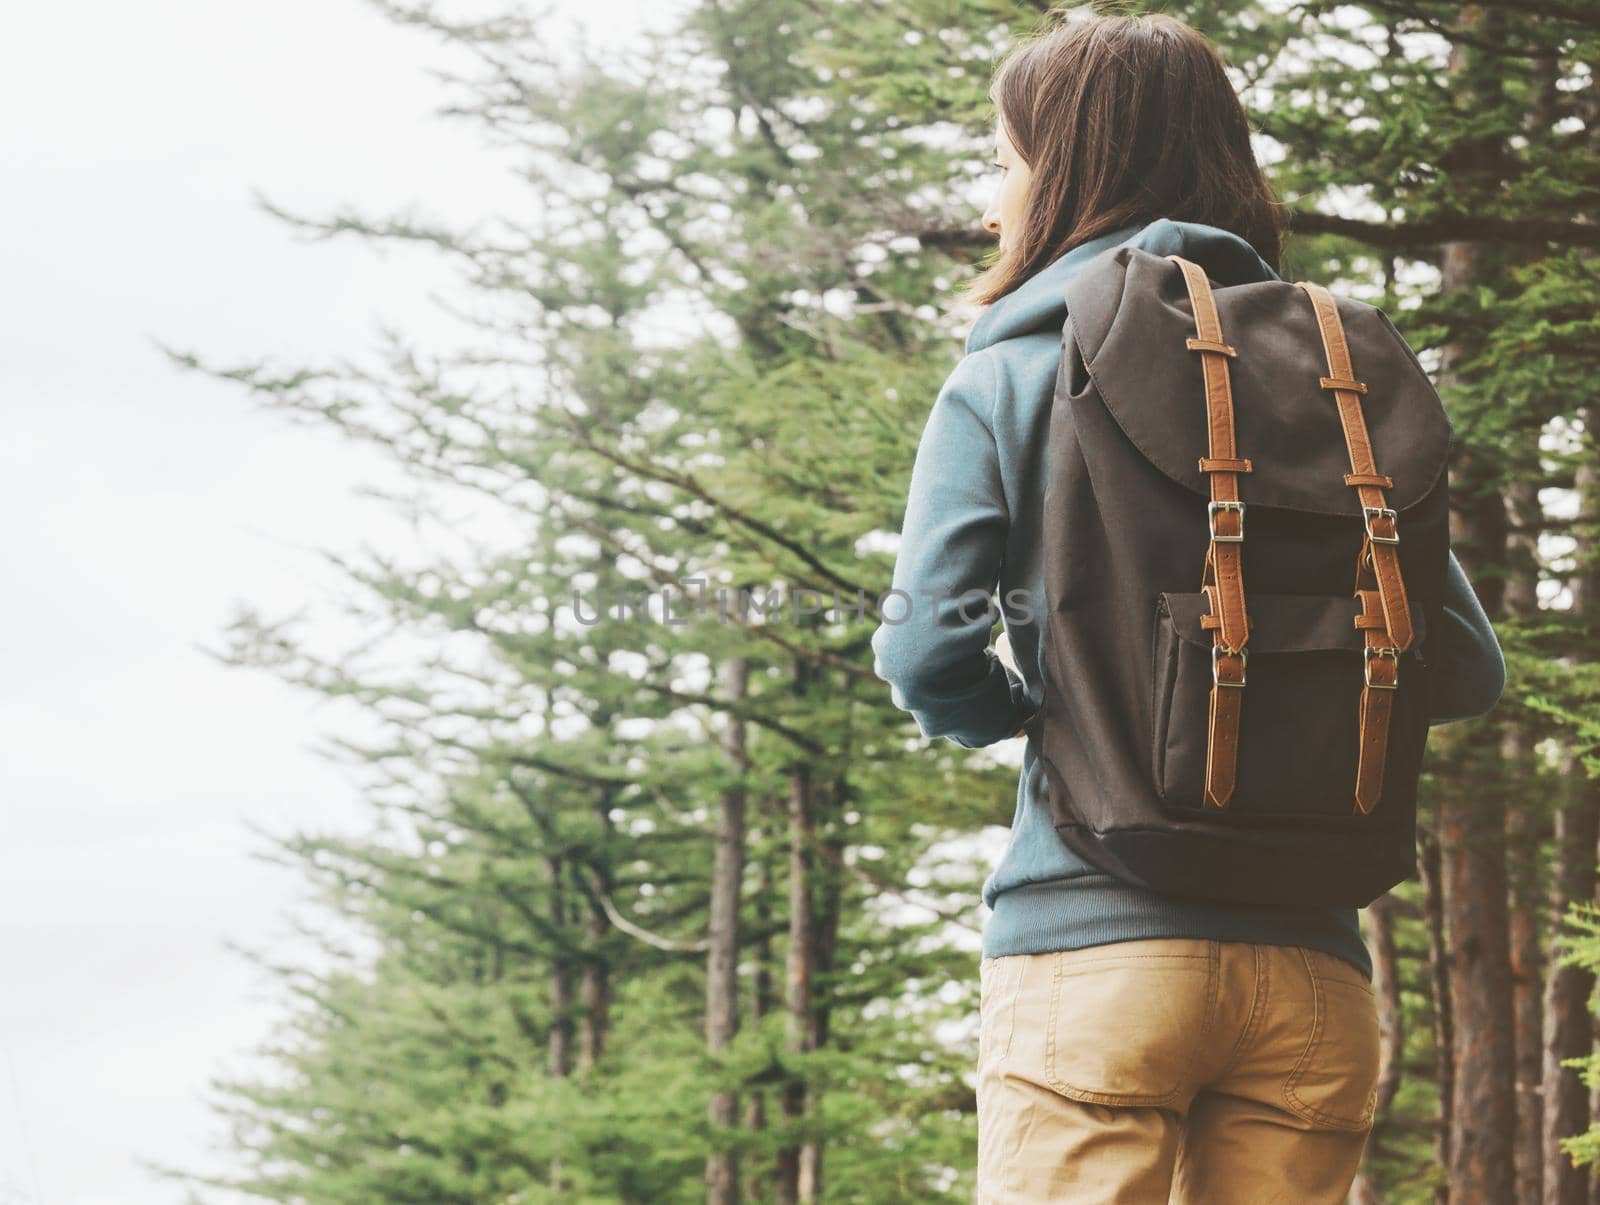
(1040, 302)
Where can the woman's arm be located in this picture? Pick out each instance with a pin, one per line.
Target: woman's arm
(1469, 671)
(932, 646)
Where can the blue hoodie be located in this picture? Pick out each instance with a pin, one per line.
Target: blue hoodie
(972, 524)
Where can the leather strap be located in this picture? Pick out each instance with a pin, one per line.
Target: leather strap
(1214, 618)
(1223, 577)
(1381, 670)
(1369, 479)
(1385, 619)
(1382, 550)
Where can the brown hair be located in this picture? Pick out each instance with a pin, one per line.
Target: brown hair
(1122, 120)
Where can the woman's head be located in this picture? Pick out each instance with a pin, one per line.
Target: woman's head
(1108, 120)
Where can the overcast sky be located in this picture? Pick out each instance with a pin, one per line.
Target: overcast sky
(141, 505)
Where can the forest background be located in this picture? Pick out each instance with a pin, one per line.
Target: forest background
(653, 912)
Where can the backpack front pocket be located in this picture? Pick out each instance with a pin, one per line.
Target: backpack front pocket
(1299, 727)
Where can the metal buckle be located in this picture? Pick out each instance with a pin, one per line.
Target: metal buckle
(1368, 654)
(1244, 660)
(1211, 521)
(1367, 512)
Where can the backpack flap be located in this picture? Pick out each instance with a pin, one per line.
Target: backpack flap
(1131, 313)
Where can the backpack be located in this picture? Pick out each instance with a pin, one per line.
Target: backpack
(1235, 630)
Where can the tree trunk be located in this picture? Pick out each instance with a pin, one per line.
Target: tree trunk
(1472, 829)
(828, 879)
(558, 1059)
(1525, 829)
(1430, 868)
(761, 1003)
(1391, 1028)
(1386, 985)
(596, 973)
(1484, 1114)
(1569, 1027)
(1472, 842)
(1527, 965)
(796, 1170)
(722, 957)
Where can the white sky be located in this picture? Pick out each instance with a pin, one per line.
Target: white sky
(140, 504)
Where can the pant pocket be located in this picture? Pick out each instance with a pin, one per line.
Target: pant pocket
(998, 983)
(1334, 1084)
(987, 975)
(1127, 1021)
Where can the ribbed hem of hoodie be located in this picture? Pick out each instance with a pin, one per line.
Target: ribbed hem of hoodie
(1092, 910)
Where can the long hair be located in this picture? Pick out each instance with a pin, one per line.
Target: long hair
(1123, 119)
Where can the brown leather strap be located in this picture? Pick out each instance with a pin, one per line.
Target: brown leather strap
(1212, 464)
(1227, 694)
(1377, 479)
(1344, 382)
(1385, 619)
(1223, 577)
(1222, 743)
(1381, 666)
(1381, 539)
(1214, 618)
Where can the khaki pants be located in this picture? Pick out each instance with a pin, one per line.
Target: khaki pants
(1174, 1069)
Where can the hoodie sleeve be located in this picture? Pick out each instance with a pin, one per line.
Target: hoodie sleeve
(932, 645)
(1469, 671)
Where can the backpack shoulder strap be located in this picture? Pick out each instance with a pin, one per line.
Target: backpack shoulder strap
(1223, 579)
(1385, 618)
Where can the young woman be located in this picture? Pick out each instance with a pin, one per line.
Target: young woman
(1133, 1048)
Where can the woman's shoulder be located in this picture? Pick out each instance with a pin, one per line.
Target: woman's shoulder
(1018, 374)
